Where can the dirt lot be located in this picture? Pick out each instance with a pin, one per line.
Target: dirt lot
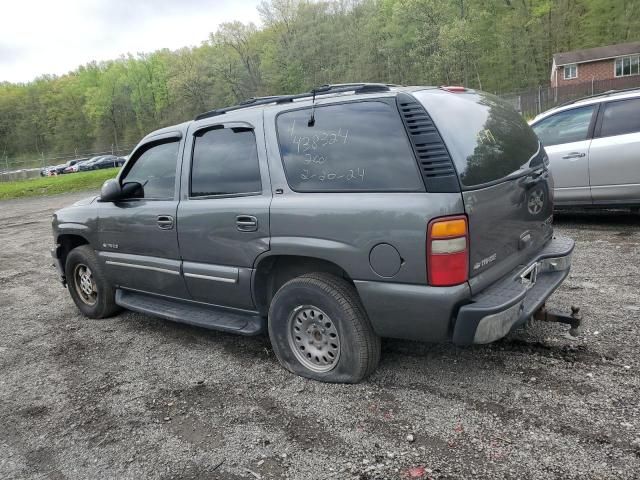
(137, 397)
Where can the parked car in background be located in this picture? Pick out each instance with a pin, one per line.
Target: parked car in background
(45, 172)
(89, 164)
(594, 149)
(108, 161)
(65, 167)
(57, 169)
(314, 216)
(72, 168)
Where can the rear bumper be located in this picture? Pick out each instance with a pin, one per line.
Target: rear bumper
(509, 302)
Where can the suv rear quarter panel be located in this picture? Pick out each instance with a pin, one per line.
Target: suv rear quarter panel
(344, 227)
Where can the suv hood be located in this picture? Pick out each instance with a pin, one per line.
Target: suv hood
(86, 201)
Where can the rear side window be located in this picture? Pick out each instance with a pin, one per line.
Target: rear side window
(225, 162)
(486, 138)
(621, 117)
(359, 146)
(565, 127)
(155, 170)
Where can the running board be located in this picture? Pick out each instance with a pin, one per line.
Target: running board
(200, 315)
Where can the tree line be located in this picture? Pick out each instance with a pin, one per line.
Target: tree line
(494, 45)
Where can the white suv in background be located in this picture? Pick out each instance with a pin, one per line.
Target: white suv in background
(593, 146)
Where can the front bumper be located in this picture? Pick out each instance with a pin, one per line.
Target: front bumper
(510, 302)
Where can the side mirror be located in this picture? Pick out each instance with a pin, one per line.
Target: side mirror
(111, 191)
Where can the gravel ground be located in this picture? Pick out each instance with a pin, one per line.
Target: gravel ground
(138, 397)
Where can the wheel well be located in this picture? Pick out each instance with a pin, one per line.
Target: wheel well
(67, 243)
(273, 272)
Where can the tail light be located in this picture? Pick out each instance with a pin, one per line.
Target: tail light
(448, 251)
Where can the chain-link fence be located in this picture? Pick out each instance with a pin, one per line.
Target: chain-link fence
(532, 102)
(44, 160)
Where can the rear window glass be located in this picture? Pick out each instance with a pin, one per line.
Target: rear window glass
(487, 139)
(359, 146)
(621, 117)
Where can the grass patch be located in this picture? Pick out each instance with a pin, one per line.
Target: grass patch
(71, 182)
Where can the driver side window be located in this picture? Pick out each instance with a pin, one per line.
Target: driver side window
(565, 127)
(155, 170)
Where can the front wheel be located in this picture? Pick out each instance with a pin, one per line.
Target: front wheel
(89, 288)
(320, 330)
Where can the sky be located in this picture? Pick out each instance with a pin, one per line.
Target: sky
(56, 36)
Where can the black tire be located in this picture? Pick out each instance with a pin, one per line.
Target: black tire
(104, 304)
(359, 346)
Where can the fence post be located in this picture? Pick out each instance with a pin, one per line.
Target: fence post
(539, 99)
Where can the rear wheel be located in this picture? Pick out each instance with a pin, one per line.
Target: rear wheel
(319, 330)
(90, 290)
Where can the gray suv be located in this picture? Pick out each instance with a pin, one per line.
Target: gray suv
(329, 219)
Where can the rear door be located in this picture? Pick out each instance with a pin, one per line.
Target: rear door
(223, 216)
(506, 186)
(565, 136)
(614, 156)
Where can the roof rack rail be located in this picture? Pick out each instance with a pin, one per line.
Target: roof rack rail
(321, 90)
(608, 93)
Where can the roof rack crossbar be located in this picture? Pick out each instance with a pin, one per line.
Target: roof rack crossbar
(321, 90)
(603, 94)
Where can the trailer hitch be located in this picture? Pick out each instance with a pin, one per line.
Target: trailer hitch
(575, 319)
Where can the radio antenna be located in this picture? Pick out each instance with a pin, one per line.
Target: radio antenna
(312, 120)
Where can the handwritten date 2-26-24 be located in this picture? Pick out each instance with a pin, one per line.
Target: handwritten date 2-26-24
(356, 175)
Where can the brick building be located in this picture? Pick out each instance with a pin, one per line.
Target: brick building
(595, 64)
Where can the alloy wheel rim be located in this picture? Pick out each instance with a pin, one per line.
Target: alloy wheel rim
(313, 338)
(536, 201)
(85, 284)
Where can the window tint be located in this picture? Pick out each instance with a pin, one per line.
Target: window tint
(621, 117)
(155, 169)
(360, 146)
(487, 139)
(225, 161)
(565, 127)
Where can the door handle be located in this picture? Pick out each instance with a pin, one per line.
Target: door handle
(246, 223)
(574, 155)
(165, 222)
